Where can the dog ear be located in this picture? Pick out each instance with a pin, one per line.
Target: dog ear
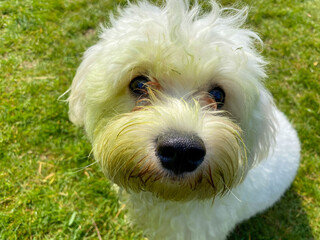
(77, 91)
(261, 129)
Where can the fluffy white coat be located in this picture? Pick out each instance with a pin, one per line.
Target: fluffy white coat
(186, 51)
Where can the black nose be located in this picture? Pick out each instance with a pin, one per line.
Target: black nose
(180, 152)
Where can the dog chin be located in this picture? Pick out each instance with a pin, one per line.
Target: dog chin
(127, 148)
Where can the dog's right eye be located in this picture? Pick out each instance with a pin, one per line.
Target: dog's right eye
(138, 85)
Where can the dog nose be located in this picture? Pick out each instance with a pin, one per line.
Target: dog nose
(180, 152)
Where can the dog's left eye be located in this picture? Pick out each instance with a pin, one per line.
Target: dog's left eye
(138, 85)
(218, 95)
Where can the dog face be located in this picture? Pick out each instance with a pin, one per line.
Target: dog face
(173, 101)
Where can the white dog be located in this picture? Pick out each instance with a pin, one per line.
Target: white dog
(173, 102)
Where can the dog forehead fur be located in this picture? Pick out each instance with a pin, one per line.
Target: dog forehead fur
(173, 45)
(252, 153)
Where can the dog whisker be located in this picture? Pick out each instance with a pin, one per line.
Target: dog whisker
(85, 167)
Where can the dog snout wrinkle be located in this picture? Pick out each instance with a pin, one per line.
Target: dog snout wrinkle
(180, 152)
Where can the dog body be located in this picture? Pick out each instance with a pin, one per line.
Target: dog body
(174, 104)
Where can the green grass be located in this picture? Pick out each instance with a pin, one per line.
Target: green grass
(45, 191)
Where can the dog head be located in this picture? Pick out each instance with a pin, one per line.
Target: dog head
(173, 100)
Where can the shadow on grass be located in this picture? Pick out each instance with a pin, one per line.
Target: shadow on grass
(285, 220)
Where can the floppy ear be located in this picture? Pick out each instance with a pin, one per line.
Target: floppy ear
(77, 96)
(261, 129)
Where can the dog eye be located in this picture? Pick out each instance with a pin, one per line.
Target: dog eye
(218, 95)
(138, 85)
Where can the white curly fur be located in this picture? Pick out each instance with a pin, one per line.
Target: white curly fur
(185, 51)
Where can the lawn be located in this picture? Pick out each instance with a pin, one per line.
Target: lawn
(49, 186)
